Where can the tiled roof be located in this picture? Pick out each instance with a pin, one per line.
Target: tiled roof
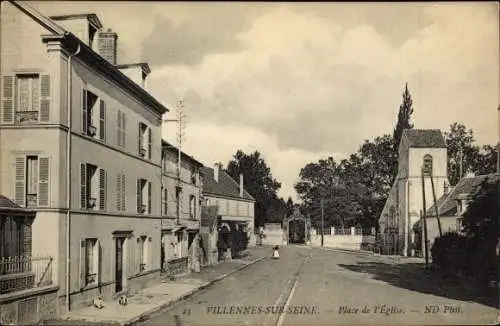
(7, 203)
(424, 138)
(225, 187)
(447, 205)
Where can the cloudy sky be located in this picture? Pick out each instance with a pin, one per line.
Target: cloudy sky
(300, 82)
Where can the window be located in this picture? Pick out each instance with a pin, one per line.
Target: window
(427, 164)
(192, 207)
(32, 181)
(165, 201)
(93, 115)
(92, 187)
(120, 192)
(145, 144)
(143, 196)
(89, 262)
(26, 98)
(11, 237)
(193, 175)
(121, 123)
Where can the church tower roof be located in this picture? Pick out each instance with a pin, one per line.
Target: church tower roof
(424, 138)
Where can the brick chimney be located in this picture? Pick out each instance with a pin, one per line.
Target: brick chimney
(241, 185)
(107, 45)
(216, 172)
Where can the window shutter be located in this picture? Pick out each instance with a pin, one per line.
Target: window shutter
(44, 98)
(149, 197)
(139, 196)
(43, 181)
(149, 143)
(102, 189)
(83, 263)
(102, 120)
(124, 124)
(20, 193)
(140, 139)
(84, 111)
(119, 129)
(8, 98)
(97, 261)
(123, 193)
(83, 185)
(119, 192)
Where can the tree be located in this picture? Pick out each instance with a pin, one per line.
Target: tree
(289, 206)
(463, 154)
(258, 181)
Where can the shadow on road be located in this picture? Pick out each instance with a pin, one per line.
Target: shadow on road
(414, 277)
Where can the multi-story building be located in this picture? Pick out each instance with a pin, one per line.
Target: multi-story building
(181, 201)
(405, 202)
(235, 204)
(80, 145)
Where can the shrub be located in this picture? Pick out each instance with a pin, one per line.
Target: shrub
(449, 252)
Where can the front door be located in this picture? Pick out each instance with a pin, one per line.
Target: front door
(119, 265)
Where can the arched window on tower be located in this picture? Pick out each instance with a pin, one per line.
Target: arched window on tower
(428, 164)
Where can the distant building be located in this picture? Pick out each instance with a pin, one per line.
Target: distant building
(80, 144)
(405, 201)
(235, 205)
(451, 207)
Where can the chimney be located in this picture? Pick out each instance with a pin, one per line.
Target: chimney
(241, 185)
(107, 45)
(216, 172)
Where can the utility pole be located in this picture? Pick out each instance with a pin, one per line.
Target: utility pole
(460, 162)
(322, 221)
(426, 250)
(435, 205)
(180, 136)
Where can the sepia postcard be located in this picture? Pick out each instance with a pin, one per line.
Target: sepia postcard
(249, 163)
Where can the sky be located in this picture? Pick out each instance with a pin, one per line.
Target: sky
(303, 81)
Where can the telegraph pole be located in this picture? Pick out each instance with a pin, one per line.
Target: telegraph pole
(322, 221)
(180, 136)
(498, 145)
(424, 215)
(426, 252)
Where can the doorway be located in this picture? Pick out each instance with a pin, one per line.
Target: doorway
(297, 231)
(119, 264)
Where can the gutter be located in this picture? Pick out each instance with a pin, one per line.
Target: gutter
(68, 180)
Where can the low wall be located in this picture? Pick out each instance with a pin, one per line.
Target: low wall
(347, 242)
(28, 306)
(273, 238)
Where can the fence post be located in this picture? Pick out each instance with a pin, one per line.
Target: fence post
(353, 230)
(333, 230)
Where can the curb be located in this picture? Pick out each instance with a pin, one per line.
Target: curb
(187, 295)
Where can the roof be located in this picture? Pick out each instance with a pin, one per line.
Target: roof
(424, 138)
(226, 186)
(447, 205)
(8, 205)
(92, 17)
(90, 57)
(143, 65)
(167, 146)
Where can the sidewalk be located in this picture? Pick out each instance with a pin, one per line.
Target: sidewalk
(395, 258)
(159, 296)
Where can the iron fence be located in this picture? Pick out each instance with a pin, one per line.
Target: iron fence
(19, 273)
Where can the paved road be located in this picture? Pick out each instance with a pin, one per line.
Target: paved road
(320, 287)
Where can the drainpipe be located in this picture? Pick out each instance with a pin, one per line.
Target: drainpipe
(68, 179)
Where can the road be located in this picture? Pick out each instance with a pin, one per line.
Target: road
(320, 287)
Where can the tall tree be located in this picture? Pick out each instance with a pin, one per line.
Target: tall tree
(258, 181)
(404, 117)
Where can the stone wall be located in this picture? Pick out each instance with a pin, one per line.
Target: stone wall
(29, 306)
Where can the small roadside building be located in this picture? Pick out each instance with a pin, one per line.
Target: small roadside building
(235, 205)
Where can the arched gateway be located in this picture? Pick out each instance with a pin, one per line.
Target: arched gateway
(297, 228)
